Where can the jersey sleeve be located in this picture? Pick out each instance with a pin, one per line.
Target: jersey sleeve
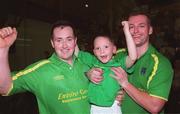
(87, 58)
(27, 79)
(160, 80)
(120, 58)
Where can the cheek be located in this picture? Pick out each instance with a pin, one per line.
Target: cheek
(96, 53)
(131, 31)
(72, 45)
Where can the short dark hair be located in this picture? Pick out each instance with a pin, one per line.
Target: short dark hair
(62, 24)
(105, 35)
(135, 13)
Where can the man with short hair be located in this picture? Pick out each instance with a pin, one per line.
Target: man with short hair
(58, 82)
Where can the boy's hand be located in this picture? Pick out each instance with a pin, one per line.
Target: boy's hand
(125, 25)
(7, 36)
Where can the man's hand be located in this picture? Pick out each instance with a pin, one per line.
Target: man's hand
(95, 75)
(7, 37)
(120, 75)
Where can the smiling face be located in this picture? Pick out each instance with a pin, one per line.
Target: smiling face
(140, 29)
(103, 49)
(64, 42)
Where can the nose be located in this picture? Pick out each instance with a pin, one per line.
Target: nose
(101, 50)
(135, 30)
(64, 45)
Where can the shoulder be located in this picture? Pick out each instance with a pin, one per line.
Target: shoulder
(39, 64)
(35, 66)
(121, 50)
(30, 69)
(161, 64)
(84, 53)
(161, 59)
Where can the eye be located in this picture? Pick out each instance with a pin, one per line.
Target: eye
(58, 40)
(131, 27)
(70, 39)
(142, 25)
(106, 46)
(97, 48)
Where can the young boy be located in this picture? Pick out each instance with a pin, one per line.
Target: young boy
(102, 96)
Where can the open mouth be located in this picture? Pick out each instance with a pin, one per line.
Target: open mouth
(104, 57)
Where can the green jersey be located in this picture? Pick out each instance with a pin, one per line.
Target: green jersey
(153, 74)
(104, 93)
(59, 87)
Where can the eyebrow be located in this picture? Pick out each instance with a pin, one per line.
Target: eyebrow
(66, 37)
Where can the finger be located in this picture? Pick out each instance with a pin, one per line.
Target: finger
(122, 23)
(115, 77)
(115, 70)
(121, 92)
(98, 78)
(9, 30)
(98, 70)
(6, 31)
(2, 33)
(96, 81)
(118, 70)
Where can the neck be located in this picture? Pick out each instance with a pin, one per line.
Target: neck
(142, 49)
(70, 62)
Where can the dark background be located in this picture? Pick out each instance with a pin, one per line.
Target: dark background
(90, 17)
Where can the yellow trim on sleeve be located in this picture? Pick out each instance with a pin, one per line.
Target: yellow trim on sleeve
(158, 97)
(9, 90)
(121, 50)
(30, 69)
(156, 63)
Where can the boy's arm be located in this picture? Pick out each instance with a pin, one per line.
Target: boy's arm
(132, 54)
(87, 58)
(7, 37)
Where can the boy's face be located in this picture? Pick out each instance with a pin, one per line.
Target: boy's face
(64, 43)
(103, 49)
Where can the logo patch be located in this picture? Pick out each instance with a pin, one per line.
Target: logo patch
(143, 70)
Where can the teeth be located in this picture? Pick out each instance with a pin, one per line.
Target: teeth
(65, 50)
(104, 56)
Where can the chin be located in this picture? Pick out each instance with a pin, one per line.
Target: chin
(104, 62)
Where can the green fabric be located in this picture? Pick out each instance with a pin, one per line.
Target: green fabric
(58, 87)
(153, 74)
(103, 94)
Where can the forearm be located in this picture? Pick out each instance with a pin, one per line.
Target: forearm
(151, 104)
(132, 54)
(5, 79)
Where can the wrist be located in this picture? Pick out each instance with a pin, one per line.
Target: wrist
(4, 52)
(125, 84)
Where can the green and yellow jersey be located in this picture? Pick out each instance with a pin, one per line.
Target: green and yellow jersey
(153, 74)
(59, 87)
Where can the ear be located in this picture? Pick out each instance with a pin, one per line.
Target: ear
(114, 49)
(75, 40)
(52, 43)
(150, 30)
